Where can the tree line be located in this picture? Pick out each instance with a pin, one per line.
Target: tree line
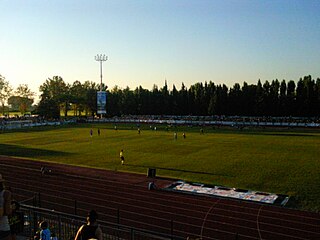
(301, 99)
(20, 99)
(275, 98)
(202, 99)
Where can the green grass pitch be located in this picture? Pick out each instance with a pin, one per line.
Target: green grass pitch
(277, 161)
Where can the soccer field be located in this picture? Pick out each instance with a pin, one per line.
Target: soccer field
(285, 162)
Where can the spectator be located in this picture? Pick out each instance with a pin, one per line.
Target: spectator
(37, 235)
(45, 233)
(91, 230)
(152, 186)
(5, 211)
(16, 220)
(53, 236)
(44, 170)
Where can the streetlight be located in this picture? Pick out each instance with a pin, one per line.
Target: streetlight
(101, 58)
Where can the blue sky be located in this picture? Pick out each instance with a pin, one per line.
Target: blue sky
(148, 41)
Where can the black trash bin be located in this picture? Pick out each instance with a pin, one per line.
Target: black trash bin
(151, 172)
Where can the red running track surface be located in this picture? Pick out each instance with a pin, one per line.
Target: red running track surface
(125, 197)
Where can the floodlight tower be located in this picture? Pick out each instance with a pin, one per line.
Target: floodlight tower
(101, 95)
(101, 58)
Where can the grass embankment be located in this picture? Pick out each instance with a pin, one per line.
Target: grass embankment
(283, 162)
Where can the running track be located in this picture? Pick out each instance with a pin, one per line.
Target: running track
(126, 195)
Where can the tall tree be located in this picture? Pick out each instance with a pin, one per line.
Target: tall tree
(259, 105)
(156, 99)
(291, 98)
(25, 97)
(183, 101)
(164, 96)
(267, 102)
(78, 93)
(128, 102)
(91, 89)
(235, 106)
(143, 101)
(5, 92)
(175, 110)
(310, 95)
(317, 104)
(199, 106)
(300, 99)
(283, 99)
(249, 93)
(274, 98)
(219, 101)
(55, 92)
(114, 103)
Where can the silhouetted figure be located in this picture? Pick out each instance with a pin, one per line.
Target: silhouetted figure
(5, 211)
(121, 157)
(44, 170)
(91, 230)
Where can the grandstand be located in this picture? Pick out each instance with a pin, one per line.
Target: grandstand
(244, 121)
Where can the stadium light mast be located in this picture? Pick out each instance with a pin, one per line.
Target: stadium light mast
(101, 58)
(101, 95)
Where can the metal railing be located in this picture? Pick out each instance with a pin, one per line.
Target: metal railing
(65, 226)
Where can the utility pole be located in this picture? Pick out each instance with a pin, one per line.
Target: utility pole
(101, 58)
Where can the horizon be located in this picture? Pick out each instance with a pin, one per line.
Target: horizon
(150, 42)
(37, 95)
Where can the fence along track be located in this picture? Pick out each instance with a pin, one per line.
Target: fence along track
(65, 226)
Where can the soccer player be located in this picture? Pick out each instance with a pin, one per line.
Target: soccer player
(121, 157)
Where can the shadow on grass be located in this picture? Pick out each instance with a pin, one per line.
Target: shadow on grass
(286, 134)
(19, 151)
(178, 170)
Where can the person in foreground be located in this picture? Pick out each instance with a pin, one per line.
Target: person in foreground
(45, 233)
(91, 230)
(16, 220)
(5, 211)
